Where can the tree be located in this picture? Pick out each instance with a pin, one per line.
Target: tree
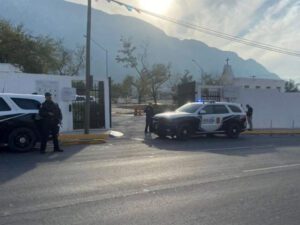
(69, 62)
(159, 74)
(123, 89)
(209, 79)
(148, 79)
(186, 77)
(128, 57)
(179, 79)
(291, 86)
(40, 54)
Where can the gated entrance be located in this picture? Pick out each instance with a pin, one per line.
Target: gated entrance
(186, 93)
(97, 115)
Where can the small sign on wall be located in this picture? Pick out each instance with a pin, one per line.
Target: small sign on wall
(43, 86)
(68, 94)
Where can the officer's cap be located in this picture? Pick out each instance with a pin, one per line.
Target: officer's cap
(47, 94)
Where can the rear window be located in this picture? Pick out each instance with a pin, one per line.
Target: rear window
(3, 105)
(235, 109)
(29, 104)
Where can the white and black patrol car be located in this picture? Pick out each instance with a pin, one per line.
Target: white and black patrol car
(19, 120)
(201, 118)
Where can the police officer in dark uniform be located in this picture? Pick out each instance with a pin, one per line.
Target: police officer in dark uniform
(149, 114)
(249, 116)
(51, 119)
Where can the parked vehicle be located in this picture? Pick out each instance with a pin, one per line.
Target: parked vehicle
(81, 98)
(19, 120)
(201, 118)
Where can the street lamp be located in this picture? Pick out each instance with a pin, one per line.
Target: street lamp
(202, 71)
(106, 54)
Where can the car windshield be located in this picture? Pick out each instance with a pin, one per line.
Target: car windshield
(189, 108)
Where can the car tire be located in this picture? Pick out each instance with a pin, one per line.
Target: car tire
(210, 135)
(22, 139)
(233, 130)
(183, 132)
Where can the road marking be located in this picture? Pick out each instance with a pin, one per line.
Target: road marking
(241, 147)
(271, 168)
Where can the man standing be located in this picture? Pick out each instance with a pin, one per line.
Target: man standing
(51, 119)
(149, 114)
(249, 116)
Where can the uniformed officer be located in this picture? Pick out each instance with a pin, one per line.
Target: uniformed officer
(51, 119)
(149, 114)
(249, 116)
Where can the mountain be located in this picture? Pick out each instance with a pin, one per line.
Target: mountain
(65, 20)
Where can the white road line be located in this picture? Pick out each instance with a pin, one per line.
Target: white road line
(241, 147)
(271, 168)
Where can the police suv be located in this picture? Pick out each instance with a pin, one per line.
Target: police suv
(201, 118)
(19, 120)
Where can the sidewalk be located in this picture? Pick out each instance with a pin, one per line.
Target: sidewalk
(277, 131)
(77, 137)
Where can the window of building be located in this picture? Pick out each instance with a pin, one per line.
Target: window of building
(246, 86)
(28, 104)
(235, 109)
(3, 105)
(220, 109)
(257, 87)
(268, 87)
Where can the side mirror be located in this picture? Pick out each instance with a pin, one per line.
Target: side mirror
(202, 111)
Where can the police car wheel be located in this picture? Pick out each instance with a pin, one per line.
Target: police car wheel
(21, 140)
(183, 132)
(233, 131)
(210, 135)
(161, 135)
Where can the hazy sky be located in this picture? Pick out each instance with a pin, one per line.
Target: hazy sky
(273, 22)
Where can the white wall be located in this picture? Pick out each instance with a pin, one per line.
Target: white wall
(262, 83)
(271, 106)
(23, 83)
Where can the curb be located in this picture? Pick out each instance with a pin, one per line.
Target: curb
(272, 132)
(82, 139)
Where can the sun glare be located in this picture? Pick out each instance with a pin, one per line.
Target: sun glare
(156, 6)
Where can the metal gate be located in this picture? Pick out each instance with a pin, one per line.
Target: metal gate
(97, 114)
(186, 93)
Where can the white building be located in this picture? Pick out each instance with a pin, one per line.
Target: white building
(252, 82)
(13, 80)
(273, 107)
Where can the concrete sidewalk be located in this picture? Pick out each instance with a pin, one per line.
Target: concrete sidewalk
(98, 136)
(279, 131)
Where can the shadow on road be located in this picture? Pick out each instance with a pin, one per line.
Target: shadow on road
(13, 164)
(244, 146)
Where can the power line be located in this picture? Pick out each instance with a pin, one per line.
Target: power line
(212, 32)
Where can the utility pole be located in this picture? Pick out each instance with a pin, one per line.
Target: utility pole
(107, 74)
(88, 69)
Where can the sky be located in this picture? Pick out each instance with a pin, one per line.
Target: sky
(272, 22)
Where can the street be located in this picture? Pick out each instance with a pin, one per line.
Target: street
(140, 179)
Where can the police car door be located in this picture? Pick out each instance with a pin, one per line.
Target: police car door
(5, 113)
(208, 119)
(220, 112)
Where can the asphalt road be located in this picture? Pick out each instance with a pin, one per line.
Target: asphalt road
(144, 180)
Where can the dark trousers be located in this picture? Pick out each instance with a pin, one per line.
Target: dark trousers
(47, 129)
(148, 124)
